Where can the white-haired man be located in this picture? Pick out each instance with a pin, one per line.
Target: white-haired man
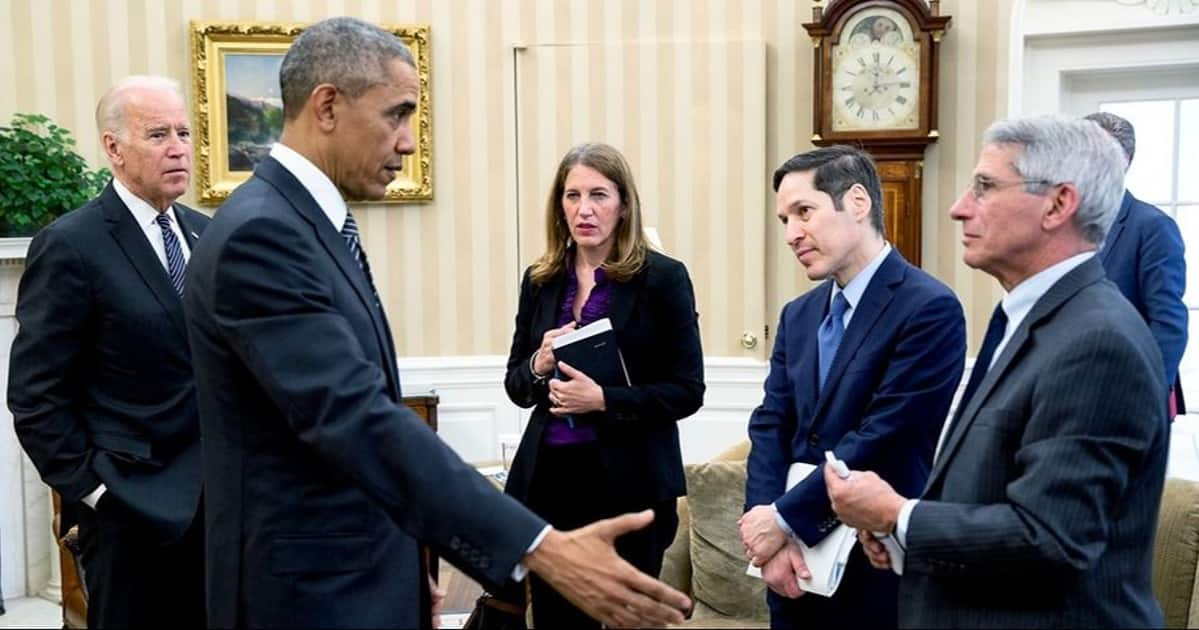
(1041, 506)
(100, 380)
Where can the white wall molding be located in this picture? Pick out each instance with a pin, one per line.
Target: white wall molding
(474, 410)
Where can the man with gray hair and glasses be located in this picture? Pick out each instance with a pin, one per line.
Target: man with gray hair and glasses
(1041, 507)
(1145, 256)
(322, 485)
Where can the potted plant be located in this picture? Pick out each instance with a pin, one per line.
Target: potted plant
(41, 175)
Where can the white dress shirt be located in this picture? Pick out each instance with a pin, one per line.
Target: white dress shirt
(147, 218)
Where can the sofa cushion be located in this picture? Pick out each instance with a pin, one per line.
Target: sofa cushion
(1176, 552)
(715, 497)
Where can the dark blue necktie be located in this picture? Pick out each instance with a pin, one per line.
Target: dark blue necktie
(829, 335)
(982, 364)
(349, 231)
(175, 262)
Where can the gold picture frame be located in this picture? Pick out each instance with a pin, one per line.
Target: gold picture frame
(244, 52)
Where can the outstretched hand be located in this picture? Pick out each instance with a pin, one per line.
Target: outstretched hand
(583, 566)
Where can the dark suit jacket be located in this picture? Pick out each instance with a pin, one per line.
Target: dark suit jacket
(100, 379)
(1143, 255)
(888, 392)
(657, 329)
(1042, 506)
(319, 481)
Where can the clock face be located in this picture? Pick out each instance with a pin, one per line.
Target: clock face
(876, 73)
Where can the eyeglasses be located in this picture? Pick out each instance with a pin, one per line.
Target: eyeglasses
(980, 186)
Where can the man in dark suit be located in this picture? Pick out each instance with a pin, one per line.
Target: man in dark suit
(320, 481)
(1145, 256)
(100, 380)
(865, 365)
(1041, 508)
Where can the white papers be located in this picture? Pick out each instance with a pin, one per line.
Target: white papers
(826, 561)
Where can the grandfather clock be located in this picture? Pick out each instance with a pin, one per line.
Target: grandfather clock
(876, 88)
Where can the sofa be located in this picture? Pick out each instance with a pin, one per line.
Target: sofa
(706, 561)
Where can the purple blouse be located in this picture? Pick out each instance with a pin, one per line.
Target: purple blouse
(559, 432)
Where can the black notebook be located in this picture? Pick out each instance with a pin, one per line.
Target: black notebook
(593, 351)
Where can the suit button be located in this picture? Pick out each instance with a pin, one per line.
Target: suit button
(455, 543)
(813, 439)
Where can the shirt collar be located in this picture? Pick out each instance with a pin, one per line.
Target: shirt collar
(143, 212)
(1020, 300)
(315, 181)
(856, 288)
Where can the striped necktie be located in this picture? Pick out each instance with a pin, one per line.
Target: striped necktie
(349, 231)
(175, 262)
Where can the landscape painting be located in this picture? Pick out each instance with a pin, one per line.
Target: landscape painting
(253, 108)
(238, 110)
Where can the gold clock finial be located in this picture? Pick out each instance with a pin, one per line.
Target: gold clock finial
(817, 11)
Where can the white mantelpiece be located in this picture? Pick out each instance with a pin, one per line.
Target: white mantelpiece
(26, 542)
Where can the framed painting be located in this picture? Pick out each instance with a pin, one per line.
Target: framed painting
(238, 110)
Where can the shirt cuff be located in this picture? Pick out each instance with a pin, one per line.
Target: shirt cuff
(92, 499)
(520, 570)
(778, 518)
(901, 523)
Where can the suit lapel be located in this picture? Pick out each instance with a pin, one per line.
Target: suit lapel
(1085, 274)
(874, 301)
(132, 240)
(624, 297)
(191, 231)
(333, 242)
(1113, 235)
(806, 325)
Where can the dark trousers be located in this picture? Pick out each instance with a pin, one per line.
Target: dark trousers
(866, 598)
(133, 581)
(569, 489)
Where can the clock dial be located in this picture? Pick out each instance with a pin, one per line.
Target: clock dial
(876, 74)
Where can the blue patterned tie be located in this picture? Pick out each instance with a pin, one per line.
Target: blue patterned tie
(349, 231)
(175, 262)
(830, 333)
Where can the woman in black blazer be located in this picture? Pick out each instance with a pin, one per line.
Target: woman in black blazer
(592, 452)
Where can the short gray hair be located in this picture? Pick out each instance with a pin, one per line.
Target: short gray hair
(110, 111)
(1119, 128)
(344, 52)
(1062, 150)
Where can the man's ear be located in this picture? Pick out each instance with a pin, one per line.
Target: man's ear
(112, 148)
(1063, 205)
(857, 201)
(323, 105)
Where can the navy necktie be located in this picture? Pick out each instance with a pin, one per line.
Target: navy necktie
(349, 231)
(175, 262)
(829, 335)
(982, 364)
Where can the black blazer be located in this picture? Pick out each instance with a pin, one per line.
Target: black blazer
(657, 329)
(319, 480)
(100, 379)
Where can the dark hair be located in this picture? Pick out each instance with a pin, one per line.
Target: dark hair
(1119, 128)
(835, 170)
(347, 53)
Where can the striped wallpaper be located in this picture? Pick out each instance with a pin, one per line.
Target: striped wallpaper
(449, 270)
